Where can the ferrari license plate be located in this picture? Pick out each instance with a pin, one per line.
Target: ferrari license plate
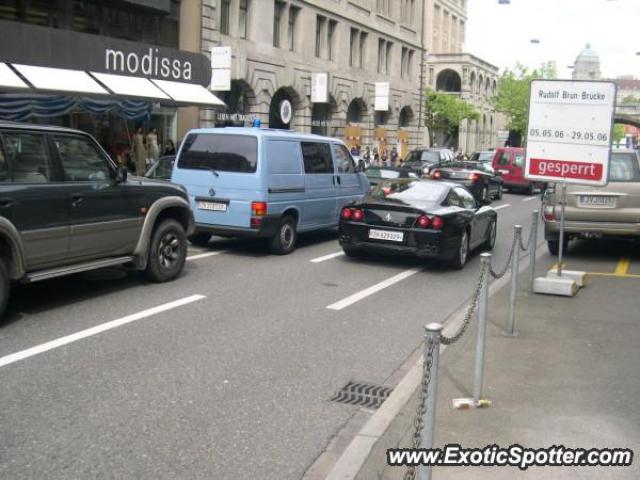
(596, 201)
(386, 235)
(213, 206)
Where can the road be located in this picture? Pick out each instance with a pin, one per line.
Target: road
(235, 384)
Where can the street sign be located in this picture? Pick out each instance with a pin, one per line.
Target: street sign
(570, 131)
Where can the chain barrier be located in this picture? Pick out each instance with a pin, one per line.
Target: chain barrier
(470, 311)
(504, 271)
(411, 472)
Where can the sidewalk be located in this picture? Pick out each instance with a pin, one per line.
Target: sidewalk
(570, 378)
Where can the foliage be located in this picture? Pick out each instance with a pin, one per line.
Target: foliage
(512, 98)
(444, 113)
(619, 133)
(629, 100)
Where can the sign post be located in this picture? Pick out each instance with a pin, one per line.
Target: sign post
(569, 137)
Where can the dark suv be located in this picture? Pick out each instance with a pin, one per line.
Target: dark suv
(66, 208)
(422, 161)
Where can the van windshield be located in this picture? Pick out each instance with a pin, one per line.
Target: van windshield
(219, 153)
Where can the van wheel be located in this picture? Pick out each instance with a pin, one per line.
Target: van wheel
(167, 252)
(5, 286)
(284, 241)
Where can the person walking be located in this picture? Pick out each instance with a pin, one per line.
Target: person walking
(367, 157)
(153, 151)
(139, 151)
(169, 148)
(394, 157)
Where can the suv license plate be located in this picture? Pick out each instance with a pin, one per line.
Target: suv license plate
(386, 235)
(213, 206)
(596, 201)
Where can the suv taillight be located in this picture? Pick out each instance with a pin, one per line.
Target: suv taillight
(437, 175)
(549, 214)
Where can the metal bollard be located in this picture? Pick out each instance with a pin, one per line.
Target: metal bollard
(483, 307)
(515, 266)
(432, 333)
(533, 249)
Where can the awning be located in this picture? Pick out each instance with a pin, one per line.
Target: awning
(189, 93)
(60, 80)
(9, 79)
(131, 86)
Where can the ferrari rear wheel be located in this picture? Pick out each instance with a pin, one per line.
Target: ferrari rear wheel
(460, 257)
(491, 239)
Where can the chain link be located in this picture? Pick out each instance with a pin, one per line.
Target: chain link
(421, 411)
(470, 311)
(503, 272)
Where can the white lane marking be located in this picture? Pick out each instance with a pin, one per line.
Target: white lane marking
(506, 205)
(327, 257)
(74, 337)
(205, 255)
(356, 297)
(528, 199)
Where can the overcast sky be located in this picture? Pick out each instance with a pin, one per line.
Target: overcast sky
(501, 34)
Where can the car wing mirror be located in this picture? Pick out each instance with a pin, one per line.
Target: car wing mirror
(121, 175)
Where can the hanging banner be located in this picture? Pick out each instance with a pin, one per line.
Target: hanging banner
(319, 87)
(382, 96)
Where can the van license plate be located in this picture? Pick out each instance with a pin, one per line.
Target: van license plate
(386, 235)
(596, 201)
(213, 206)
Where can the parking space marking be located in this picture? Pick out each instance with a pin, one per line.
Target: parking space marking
(356, 297)
(506, 205)
(74, 337)
(205, 255)
(528, 199)
(327, 257)
(612, 275)
(622, 268)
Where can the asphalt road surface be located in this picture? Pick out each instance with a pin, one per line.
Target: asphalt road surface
(225, 373)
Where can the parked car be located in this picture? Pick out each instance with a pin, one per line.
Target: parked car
(248, 182)
(594, 212)
(66, 208)
(161, 169)
(421, 161)
(485, 156)
(376, 174)
(479, 178)
(425, 218)
(509, 162)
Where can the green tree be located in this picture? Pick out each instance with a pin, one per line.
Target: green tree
(619, 133)
(629, 100)
(512, 98)
(444, 112)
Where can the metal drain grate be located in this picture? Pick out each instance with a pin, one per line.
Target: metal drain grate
(362, 394)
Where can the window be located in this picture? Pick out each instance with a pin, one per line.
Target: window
(505, 159)
(381, 56)
(331, 37)
(410, 63)
(519, 160)
(453, 200)
(363, 49)
(219, 153)
(242, 18)
(320, 21)
(388, 58)
(467, 199)
(81, 160)
(277, 21)
(291, 35)
(408, 190)
(624, 167)
(353, 46)
(404, 60)
(224, 16)
(283, 157)
(344, 161)
(27, 156)
(317, 158)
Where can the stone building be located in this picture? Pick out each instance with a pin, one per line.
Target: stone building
(281, 51)
(587, 66)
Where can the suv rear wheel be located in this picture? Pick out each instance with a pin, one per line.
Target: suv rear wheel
(284, 241)
(167, 252)
(5, 286)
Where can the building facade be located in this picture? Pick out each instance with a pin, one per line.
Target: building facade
(313, 66)
(587, 65)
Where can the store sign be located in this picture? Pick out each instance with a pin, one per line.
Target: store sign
(382, 96)
(319, 87)
(286, 111)
(59, 48)
(569, 133)
(221, 69)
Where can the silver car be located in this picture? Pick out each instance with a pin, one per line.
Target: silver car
(594, 212)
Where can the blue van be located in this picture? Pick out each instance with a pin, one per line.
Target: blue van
(250, 182)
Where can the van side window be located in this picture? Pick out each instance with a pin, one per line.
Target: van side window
(505, 159)
(317, 158)
(27, 156)
(283, 157)
(344, 161)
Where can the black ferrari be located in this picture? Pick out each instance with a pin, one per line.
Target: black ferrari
(425, 218)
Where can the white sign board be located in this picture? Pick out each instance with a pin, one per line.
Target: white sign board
(569, 132)
(319, 87)
(220, 57)
(221, 80)
(382, 96)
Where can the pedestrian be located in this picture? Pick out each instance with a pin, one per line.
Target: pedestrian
(139, 152)
(367, 157)
(354, 151)
(169, 148)
(153, 152)
(376, 157)
(394, 156)
(384, 158)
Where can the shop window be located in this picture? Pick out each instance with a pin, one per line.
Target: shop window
(81, 159)
(27, 156)
(317, 158)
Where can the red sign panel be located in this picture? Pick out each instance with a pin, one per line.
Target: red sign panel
(565, 169)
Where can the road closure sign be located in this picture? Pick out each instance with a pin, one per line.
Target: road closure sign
(569, 132)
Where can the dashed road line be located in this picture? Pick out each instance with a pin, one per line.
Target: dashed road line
(89, 332)
(205, 255)
(326, 257)
(528, 199)
(356, 297)
(506, 205)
